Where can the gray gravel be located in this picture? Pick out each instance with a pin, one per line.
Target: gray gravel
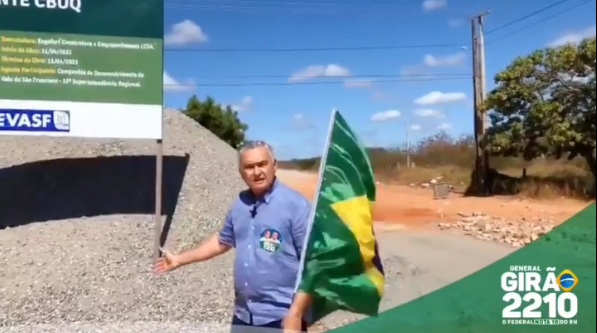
(98, 268)
(418, 263)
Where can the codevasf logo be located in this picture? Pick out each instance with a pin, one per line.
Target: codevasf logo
(537, 296)
(19, 120)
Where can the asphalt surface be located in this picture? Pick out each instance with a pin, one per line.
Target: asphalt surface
(417, 263)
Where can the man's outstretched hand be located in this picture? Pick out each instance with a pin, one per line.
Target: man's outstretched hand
(292, 323)
(167, 262)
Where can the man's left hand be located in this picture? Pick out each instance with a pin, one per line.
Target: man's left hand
(293, 323)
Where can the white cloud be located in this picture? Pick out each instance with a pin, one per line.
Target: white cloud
(450, 60)
(573, 37)
(455, 23)
(316, 71)
(173, 85)
(437, 97)
(169, 81)
(301, 123)
(429, 113)
(386, 116)
(429, 61)
(415, 127)
(380, 97)
(358, 83)
(444, 126)
(430, 5)
(245, 104)
(185, 32)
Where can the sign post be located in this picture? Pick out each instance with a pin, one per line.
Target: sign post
(83, 68)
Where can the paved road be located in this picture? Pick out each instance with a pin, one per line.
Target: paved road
(418, 263)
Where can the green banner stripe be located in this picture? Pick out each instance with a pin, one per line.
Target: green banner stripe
(80, 68)
(348, 169)
(343, 281)
(123, 18)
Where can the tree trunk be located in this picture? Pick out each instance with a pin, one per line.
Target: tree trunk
(590, 158)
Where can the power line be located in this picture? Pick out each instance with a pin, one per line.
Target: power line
(527, 16)
(277, 2)
(230, 4)
(250, 84)
(317, 49)
(364, 76)
(370, 48)
(323, 7)
(387, 78)
(543, 20)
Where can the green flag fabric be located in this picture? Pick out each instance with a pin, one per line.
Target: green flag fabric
(341, 265)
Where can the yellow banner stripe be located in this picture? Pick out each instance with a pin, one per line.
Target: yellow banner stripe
(357, 214)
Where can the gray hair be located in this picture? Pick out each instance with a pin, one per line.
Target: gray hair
(248, 145)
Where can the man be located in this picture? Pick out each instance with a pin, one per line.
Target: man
(265, 271)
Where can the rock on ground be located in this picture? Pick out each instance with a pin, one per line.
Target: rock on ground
(513, 233)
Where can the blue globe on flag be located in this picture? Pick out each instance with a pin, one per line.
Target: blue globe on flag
(567, 280)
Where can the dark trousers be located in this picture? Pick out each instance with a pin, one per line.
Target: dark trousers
(239, 326)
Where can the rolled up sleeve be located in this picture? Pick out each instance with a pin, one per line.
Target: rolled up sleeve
(300, 226)
(227, 232)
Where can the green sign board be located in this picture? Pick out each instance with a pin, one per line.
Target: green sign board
(81, 68)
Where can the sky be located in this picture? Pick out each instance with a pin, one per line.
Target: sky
(396, 70)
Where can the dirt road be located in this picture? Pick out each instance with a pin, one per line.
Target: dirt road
(417, 263)
(418, 258)
(415, 208)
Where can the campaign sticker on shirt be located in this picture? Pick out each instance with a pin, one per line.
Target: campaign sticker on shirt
(270, 240)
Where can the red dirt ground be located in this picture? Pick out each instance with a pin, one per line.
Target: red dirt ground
(416, 208)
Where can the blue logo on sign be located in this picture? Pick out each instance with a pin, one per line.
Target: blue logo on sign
(34, 120)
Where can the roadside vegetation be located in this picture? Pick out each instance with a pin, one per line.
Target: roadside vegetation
(541, 139)
(452, 160)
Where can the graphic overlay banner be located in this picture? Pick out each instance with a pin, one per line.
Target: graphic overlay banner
(547, 286)
(98, 61)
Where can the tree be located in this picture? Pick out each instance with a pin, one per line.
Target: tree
(221, 120)
(544, 105)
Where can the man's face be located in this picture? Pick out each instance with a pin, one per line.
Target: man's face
(258, 169)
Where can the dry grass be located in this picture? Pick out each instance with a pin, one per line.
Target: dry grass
(441, 156)
(547, 181)
(541, 182)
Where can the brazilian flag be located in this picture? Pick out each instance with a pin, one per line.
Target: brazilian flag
(341, 266)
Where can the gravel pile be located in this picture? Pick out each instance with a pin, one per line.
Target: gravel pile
(514, 233)
(76, 235)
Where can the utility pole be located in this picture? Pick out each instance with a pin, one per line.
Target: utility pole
(408, 161)
(482, 68)
(481, 122)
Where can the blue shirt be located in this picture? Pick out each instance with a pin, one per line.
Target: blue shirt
(268, 235)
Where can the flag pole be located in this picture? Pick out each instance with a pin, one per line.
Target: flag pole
(324, 157)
